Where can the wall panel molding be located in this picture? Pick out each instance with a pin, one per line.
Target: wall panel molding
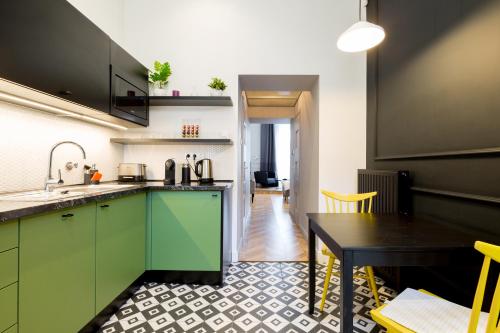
(443, 154)
(459, 195)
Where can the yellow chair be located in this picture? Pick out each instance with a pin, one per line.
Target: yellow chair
(490, 252)
(349, 203)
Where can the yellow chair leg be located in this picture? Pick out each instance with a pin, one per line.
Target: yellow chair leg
(372, 284)
(327, 282)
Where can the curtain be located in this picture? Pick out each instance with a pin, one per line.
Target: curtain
(267, 148)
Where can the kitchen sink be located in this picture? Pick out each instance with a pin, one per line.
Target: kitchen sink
(61, 193)
(97, 188)
(41, 195)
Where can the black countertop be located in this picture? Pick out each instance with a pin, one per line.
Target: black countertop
(10, 210)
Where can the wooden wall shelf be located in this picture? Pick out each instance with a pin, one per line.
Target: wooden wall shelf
(190, 101)
(165, 141)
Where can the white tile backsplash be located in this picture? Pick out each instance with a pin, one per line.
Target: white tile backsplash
(26, 137)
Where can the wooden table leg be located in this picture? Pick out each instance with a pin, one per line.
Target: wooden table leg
(312, 268)
(346, 293)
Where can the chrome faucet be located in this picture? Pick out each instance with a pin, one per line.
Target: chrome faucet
(51, 181)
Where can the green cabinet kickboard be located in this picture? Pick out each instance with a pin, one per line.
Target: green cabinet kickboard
(120, 246)
(57, 271)
(8, 306)
(186, 230)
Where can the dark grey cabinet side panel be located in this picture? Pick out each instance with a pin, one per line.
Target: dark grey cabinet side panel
(136, 73)
(129, 87)
(50, 46)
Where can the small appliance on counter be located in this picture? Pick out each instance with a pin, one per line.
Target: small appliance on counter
(169, 172)
(132, 172)
(186, 174)
(203, 169)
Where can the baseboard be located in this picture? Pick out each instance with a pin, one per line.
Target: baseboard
(103, 316)
(184, 277)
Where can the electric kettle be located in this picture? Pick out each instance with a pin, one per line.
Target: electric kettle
(203, 170)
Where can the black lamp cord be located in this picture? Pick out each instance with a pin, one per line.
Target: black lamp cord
(192, 168)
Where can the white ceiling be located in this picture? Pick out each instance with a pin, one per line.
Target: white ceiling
(271, 98)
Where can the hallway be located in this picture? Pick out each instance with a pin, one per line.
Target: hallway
(271, 234)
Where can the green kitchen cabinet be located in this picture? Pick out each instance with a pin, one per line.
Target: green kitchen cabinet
(186, 230)
(8, 306)
(8, 267)
(8, 235)
(13, 329)
(120, 246)
(9, 239)
(57, 270)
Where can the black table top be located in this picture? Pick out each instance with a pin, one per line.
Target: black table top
(391, 232)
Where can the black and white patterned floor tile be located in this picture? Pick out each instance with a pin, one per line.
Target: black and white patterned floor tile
(257, 297)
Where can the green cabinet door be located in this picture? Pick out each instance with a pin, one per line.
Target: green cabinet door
(57, 271)
(186, 231)
(8, 306)
(120, 246)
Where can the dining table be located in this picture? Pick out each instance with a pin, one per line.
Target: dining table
(384, 240)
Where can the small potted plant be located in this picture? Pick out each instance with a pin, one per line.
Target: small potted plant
(218, 87)
(159, 78)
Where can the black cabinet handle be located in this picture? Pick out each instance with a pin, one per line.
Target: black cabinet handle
(215, 195)
(68, 215)
(104, 206)
(65, 93)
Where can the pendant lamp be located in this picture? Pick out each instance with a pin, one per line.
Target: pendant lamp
(360, 36)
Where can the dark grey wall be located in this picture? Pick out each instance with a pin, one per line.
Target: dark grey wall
(434, 105)
(434, 109)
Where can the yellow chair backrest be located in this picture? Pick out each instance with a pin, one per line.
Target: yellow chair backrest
(335, 202)
(490, 252)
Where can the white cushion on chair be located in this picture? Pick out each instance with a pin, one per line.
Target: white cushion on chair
(424, 313)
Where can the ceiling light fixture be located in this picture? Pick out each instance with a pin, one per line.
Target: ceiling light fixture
(47, 108)
(361, 36)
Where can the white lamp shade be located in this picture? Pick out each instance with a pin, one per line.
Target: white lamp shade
(361, 36)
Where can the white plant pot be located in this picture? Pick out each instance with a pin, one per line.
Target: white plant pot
(215, 92)
(160, 91)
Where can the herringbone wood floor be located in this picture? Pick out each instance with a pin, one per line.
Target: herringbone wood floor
(271, 234)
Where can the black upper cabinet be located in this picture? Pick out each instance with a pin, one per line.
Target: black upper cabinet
(52, 47)
(129, 86)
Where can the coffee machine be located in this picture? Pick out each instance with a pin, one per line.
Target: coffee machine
(169, 172)
(203, 170)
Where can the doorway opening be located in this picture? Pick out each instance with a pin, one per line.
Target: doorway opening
(276, 111)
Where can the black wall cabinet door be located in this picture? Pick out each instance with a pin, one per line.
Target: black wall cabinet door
(50, 46)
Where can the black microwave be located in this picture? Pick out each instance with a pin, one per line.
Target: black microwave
(128, 101)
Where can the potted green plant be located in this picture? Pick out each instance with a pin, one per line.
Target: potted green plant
(159, 78)
(218, 86)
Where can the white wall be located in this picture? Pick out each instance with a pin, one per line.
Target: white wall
(304, 180)
(226, 38)
(107, 15)
(27, 137)
(167, 123)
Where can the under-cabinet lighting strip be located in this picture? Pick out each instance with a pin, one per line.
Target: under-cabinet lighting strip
(44, 107)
